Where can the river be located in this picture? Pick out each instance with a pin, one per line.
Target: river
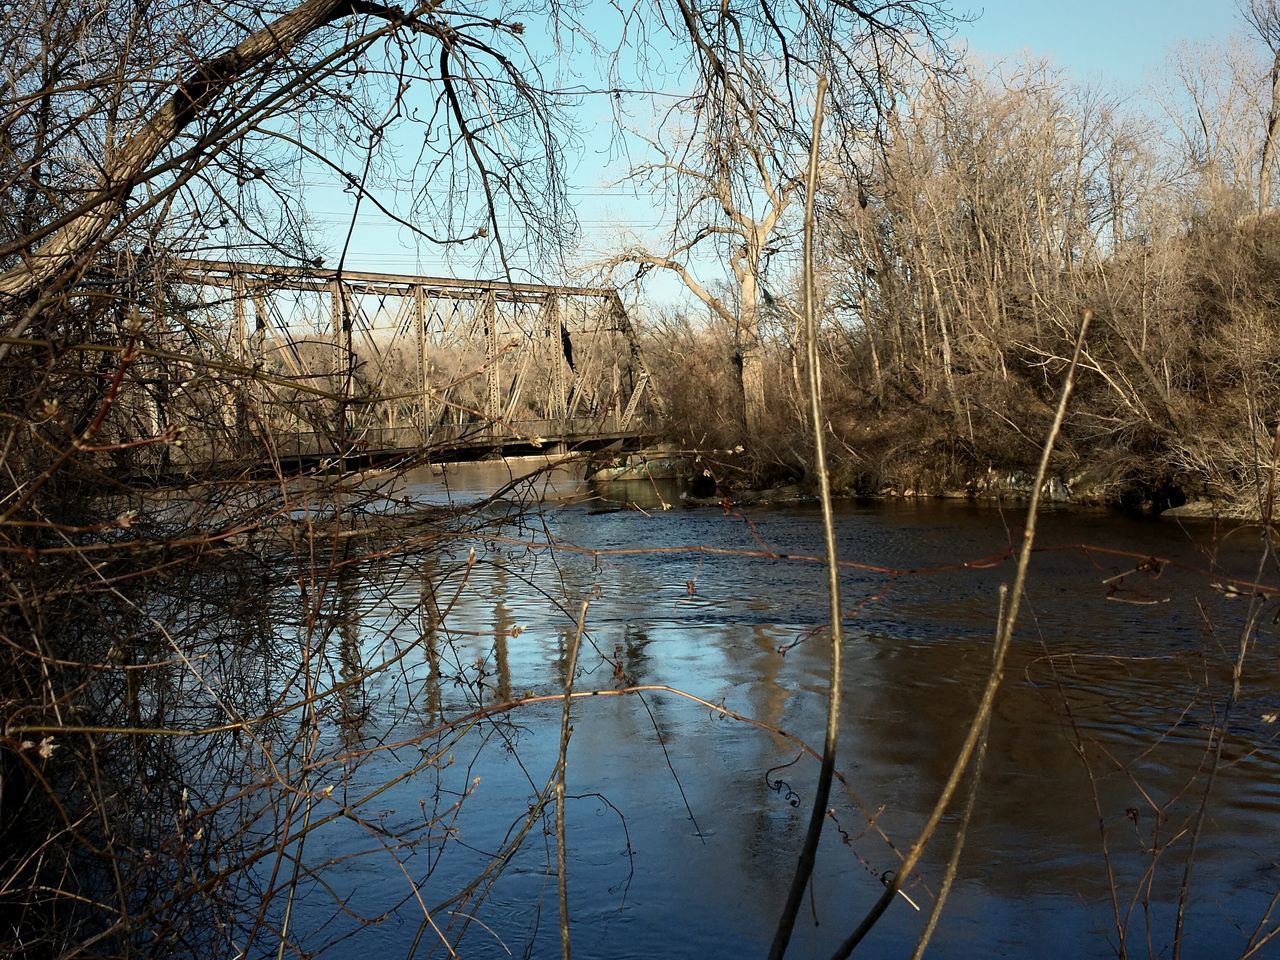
(683, 824)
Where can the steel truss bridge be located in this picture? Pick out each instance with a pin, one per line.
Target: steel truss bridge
(373, 366)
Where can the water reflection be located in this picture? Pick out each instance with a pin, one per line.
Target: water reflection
(682, 834)
(345, 616)
(503, 625)
(428, 617)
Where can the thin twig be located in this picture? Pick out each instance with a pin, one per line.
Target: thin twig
(561, 881)
(822, 793)
(953, 865)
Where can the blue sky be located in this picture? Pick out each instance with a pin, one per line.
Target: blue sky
(1117, 45)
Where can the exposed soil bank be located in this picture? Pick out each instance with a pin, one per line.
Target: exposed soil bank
(1114, 485)
(1082, 489)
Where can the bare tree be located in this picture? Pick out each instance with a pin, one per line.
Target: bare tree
(731, 176)
(188, 101)
(732, 200)
(1211, 102)
(1263, 18)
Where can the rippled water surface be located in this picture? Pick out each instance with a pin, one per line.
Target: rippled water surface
(684, 825)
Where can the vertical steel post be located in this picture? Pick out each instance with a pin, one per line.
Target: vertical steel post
(615, 398)
(424, 368)
(258, 343)
(492, 373)
(241, 332)
(240, 349)
(341, 323)
(555, 355)
(156, 397)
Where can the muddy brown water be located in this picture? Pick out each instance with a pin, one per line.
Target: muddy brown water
(683, 825)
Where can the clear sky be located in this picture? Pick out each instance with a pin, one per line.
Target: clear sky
(1116, 44)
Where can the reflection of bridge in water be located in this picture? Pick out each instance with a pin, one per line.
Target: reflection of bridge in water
(376, 366)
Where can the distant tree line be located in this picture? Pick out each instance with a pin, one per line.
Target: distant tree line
(960, 249)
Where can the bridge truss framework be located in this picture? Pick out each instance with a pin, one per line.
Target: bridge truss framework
(357, 362)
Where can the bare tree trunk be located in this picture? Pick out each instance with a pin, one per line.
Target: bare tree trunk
(1269, 139)
(752, 370)
(869, 327)
(83, 228)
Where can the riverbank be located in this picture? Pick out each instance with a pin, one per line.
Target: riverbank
(1102, 488)
(1093, 489)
